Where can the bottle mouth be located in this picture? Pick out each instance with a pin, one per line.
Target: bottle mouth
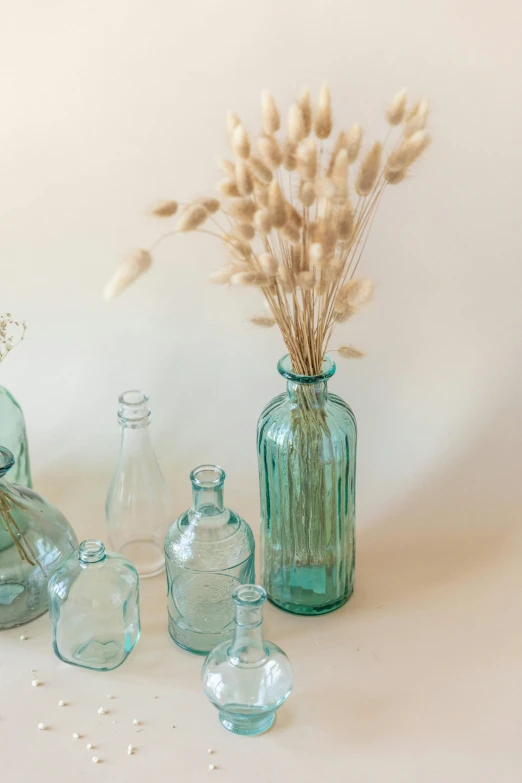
(91, 551)
(7, 460)
(249, 595)
(208, 476)
(284, 367)
(133, 410)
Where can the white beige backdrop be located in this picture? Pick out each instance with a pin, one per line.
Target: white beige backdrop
(106, 106)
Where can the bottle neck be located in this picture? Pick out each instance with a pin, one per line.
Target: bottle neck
(248, 644)
(207, 501)
(306, 395)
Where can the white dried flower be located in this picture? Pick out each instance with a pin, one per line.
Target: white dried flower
(228, 188)
(226, 166)
(357, 292)
(165, 209)
(268, 264)
(353, 142)
(408, 152)
(296, 126)
(270, 151)
(307, 193)
(250, 278)
(396, 109)
(259, 169)
(242, 210)
(369, 170)
(240, 142)
(232, 122)
(286, 279)
(323, 114)
(244, 231)
(349, 352)
(419, 121)
(270, 113)
(289, 155)
(306, 280)
(192, 217)
(244, 179)
(307, 159)
(305, 104)
(262, 221)
(210, 203)
(264, 321)
(276, 205)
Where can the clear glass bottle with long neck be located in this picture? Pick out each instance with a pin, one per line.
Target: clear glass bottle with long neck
(247, 678)
(209, 551)
(138, 502)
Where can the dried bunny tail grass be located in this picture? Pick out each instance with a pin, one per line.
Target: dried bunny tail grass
(333, 271)
(296, 126)
(210, 203)
(343, 311)
(357, 292)
(340, 144)
(242, 210)
(244, 231)
(349, 352)
(228, 188)
(408, 152)
(239, 248)
(296, 257)
(286, 279)
(419, 121)
(191, 217)
(226, 166)
(276, 205)
(262, 221)
(128, 271)
(354, 136)
(396, 109)
(232, 122)
(265, 321)
(240, 142)
(306, 280)
(259, 169)
(323, 114)
(270, 151)
(305, 104)
(345, 221)
(244, 179)
(307, 159)
(395, 177)
(340, 176)
(250, 278)
(324, 188)
(261, 193)
(369, 170)
(307, 193)
(317, 256)
(165, 209)
(291, 232)
(268, 264)
(289, 155)
(413, 110)
(293, 215)
(269, 112)
(327, 235)
(321, 286)
(224, 273)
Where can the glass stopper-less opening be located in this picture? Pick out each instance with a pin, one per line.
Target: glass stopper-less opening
(249, 595)
(91, 551)
(133, 411)
(284, 366)
(208, 476)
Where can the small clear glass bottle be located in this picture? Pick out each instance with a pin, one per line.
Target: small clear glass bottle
(138, 508)
(94, 605)
(247, 679)
(209, 550)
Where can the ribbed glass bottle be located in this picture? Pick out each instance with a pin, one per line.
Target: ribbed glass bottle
(306, 442)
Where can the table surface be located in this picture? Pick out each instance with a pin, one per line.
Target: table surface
(416, 680)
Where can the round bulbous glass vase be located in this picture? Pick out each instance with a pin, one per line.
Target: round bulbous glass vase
(247, 678)
(306, 441)
(13, 437)
(35, 538)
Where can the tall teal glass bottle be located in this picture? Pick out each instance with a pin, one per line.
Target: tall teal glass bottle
(306, 443)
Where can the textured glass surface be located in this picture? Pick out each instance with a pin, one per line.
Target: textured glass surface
(246, 678)
(94, 605)
(14, 438)
(138, 508)
(209, 550)
(306, 442)
(34, 539)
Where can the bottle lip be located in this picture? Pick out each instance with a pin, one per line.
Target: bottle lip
(207, 476)
(91, 551)
(133, 411)
(284, 367)
(7, 460)
(249, 595)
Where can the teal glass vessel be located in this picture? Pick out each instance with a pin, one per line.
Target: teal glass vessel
(94, 605)
(13, 437)
(306, 442)
(34, 539)
(246, 678)
(209, 550)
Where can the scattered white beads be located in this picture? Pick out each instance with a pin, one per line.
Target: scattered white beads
(110, 696)
(212, 766)
(61, 703)
(95, 760)
(211, 750)
(136, 722)
(23, 638)
(35, 683)
(131, 750)
(42, 726)
(90, 746)
(102, 711)
(76, 735)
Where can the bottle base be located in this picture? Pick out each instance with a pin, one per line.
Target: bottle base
(145, 555)
(185, 639)
(310, 610)
(5, 626)
(246, 725)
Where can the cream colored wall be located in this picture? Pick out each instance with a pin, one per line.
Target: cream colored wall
(106, 106)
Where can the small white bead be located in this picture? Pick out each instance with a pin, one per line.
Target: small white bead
(95, 760)
(172, 727)
(102, 711)
(23, 638)
(35, 683)
(90, 746)
(61, 703)
(136, 722)
(34, 670)
(76, 735)
(211, 750)
(130, 750)
(110, 696)
(212, 766)
(41, 726)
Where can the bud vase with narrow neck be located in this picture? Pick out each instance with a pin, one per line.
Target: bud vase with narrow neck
(14, 438)
(306, 442)
(138, 502)
(209, 551)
